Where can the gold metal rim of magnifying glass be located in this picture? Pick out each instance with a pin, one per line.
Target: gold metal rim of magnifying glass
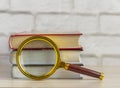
(18, 57)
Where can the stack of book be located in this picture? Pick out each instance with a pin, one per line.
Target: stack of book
(68, 45)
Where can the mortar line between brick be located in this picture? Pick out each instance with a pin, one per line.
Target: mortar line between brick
(9, 12)
(9, 2)
(72, 6)
(98, 23)
(101, 34)
(110, 13)
(34, 23)
(49, 13)
(66, 13)
(102, 55)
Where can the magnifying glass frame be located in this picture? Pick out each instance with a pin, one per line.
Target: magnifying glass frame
(29, 40)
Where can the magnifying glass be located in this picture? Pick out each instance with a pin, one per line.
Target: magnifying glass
(48, 52)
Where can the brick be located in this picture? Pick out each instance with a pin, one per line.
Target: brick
(41, 5)
(110, 24)
(97, 5)
(4, 60)
(15, 23)
(91, 44)
(66, 23)
(4, 45)
(111, 61)
(5, 67)
(101, 45)
(90, 61)
(4, 4)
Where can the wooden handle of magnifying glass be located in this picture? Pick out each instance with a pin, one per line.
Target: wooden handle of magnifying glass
(85, 71)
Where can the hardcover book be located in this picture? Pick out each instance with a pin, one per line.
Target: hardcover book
(61, 40)
(37, 56)
(59, 74)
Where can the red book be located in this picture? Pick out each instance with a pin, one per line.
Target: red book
(63, 41)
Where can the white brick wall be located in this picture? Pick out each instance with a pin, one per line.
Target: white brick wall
(90, 60)
(68, 23)
(88, 6)
(111, 61)
(10, 23)
(4, 45)
(98, 20)
(4, 5)
(110, 24)
(101, 45)
(41, 5)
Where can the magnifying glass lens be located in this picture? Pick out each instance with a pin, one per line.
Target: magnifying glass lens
(38, 58)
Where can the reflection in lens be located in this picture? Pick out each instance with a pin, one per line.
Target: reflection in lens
(38, 57)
